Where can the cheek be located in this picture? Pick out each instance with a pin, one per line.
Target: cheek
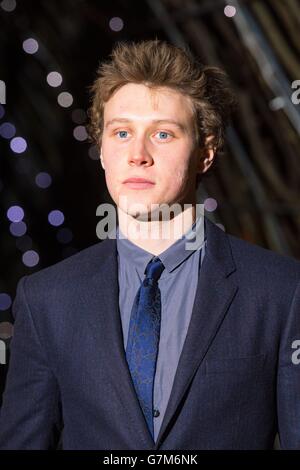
(112, 166)
(110, 178)
(178, 172)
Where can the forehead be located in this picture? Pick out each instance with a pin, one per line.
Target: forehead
(137, 100)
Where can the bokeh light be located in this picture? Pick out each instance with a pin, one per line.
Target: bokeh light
(65, 99)
(30, 46)
(93, 152)
(116, 23)
(7, 130)
(18, 229)
(54, 79)
(43, 180)
(8, 5)
(18, 144)
(229, 11)
(210, 204)
(6, 330)
(30, 258)
(5, 301)
(56, 218)
(80, 133)
(277, 103)
(15, 214)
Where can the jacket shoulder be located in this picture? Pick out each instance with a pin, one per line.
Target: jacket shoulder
(72, 269)
(263, 260)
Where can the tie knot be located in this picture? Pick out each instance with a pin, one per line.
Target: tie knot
(154, 269)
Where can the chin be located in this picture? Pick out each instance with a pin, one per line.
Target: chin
(131, 203)
(140, 213)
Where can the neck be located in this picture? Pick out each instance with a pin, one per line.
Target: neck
(155, 236)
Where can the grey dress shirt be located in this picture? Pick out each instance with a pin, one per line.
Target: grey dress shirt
(177, 284)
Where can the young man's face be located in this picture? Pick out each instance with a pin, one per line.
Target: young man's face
(136, 145)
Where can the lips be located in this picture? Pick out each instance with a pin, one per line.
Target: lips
(137, 180)
(138, 183)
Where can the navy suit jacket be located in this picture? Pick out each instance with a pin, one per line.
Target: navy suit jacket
(236, 384)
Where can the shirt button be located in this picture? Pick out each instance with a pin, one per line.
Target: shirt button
(156, 413)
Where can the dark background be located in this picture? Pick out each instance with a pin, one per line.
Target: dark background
(254, 191)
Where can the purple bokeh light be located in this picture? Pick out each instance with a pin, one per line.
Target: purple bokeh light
(229, 11)
(7, 130)
(54, 79)
(56, 218)
(43, 180)
(65, 99)
(30, 46)
(15, 214)
(18, 144)
(18, 229)
(30, 258)
(80, 133)
(5, 301)
(116, 24)
(210, 204)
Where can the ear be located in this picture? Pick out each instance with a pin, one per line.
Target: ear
(207, 156)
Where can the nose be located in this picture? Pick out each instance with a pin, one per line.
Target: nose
(139, 154)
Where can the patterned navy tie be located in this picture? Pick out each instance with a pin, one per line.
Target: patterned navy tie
(143, 338)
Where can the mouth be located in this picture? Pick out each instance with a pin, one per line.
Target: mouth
(138, 183)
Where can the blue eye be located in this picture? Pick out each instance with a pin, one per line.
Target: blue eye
(165, 133)
(122, 132)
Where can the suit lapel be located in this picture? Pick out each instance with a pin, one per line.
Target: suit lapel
(100, 293)
(101, 299)
(214, 294)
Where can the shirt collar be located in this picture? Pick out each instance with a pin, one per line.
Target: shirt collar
(172, 257)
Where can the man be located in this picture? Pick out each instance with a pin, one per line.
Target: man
(144, 341)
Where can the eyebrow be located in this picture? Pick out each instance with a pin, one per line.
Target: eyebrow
(154, 121)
